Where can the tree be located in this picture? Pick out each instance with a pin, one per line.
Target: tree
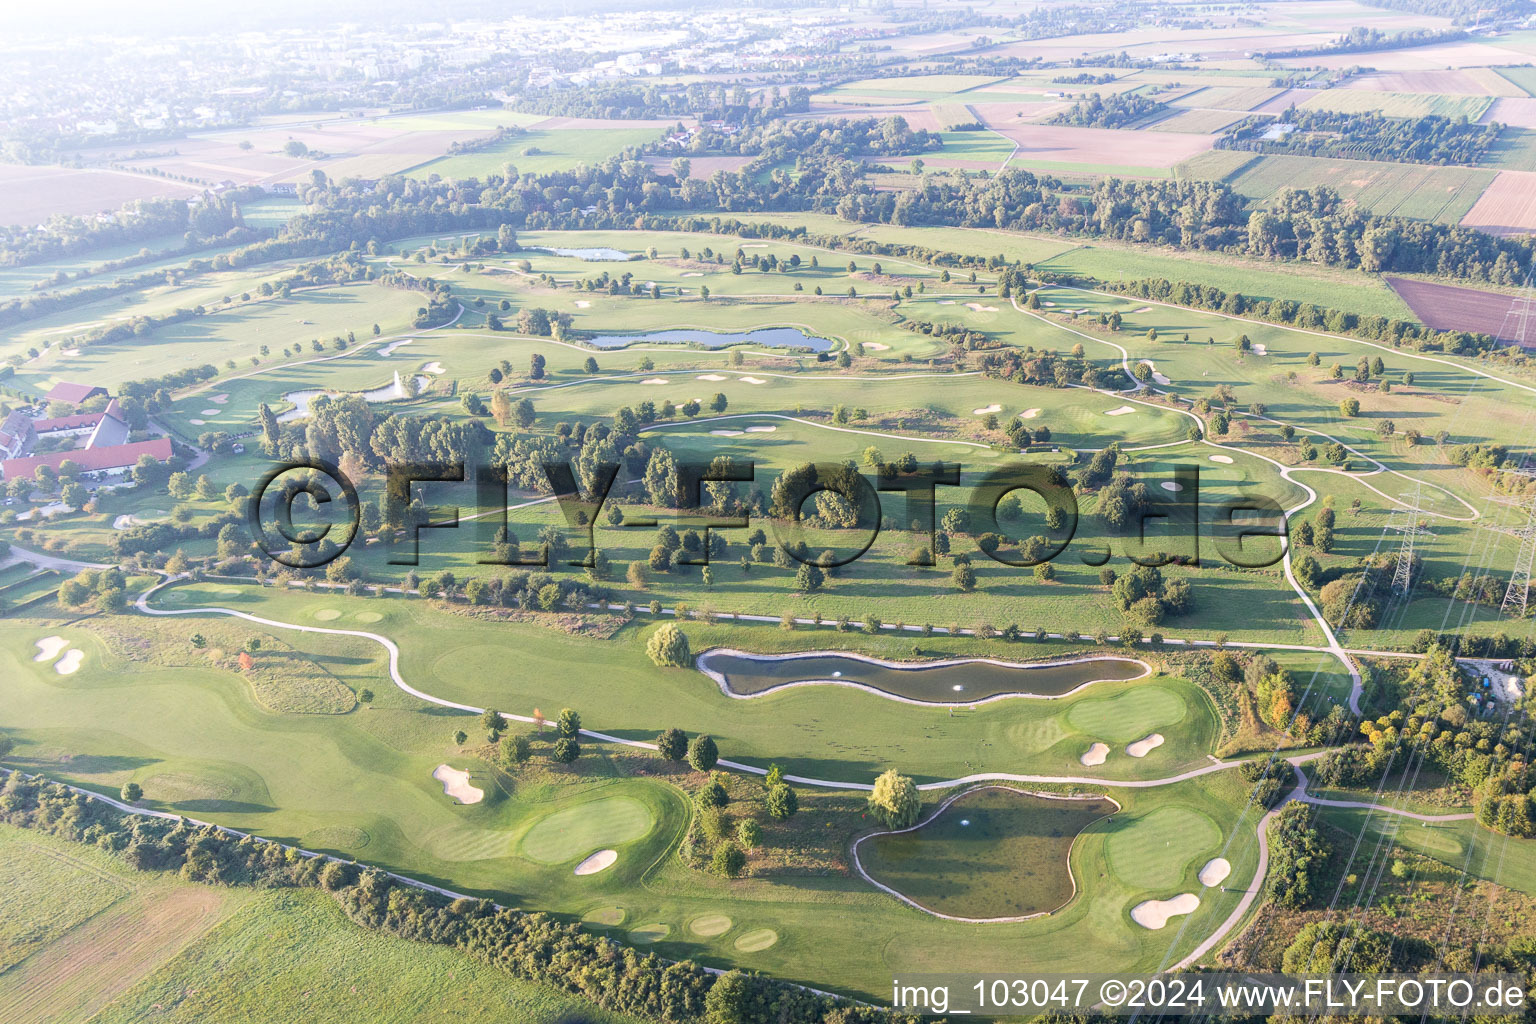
(491, 721)
(964, 578)
(566, 750)
(672, 745)
(749, 833)
(668, 647)
(1349, 407)
(536, 367)
(895, 800)
(570, 723)
(781, 802)
(728, 860)
(132, 793)
(460, 737)
(712, 794)
(702, 753)
(808, 578)
(514, 751)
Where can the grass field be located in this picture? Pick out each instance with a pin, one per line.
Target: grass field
(274, 956)
(540, 151)
(1439, 194)
(1398, 104)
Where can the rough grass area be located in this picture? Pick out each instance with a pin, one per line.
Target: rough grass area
(994, 852)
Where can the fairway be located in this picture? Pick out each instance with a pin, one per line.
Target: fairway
(574, 832)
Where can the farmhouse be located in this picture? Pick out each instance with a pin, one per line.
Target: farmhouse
(106, 450)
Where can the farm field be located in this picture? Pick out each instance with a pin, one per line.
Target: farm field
(1398, 104)
(1462, 309)
(547, 146)
(1508, 207)
(33, 194)
(1444, 195)
(196, 952)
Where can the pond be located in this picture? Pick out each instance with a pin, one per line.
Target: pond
(774, 337)
(598, 254)
(991, 854)
(386, 393)
(957, 681)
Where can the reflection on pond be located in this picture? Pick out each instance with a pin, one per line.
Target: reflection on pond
(387, 393)
(597, 254)
(775, 337)
(958, 681)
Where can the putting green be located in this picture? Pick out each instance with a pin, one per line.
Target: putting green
(757, 940)
(1129, 715)
(710, 925)
(574, 832)
(367, 616)
(171, 597)
(1156, 850)
(175, 787)
(604, 917)
(649, 933)
(327, 614)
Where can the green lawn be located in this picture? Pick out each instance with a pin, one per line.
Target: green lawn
(541, 151)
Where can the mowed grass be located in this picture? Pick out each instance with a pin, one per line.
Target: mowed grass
(574, 832)
(1419, 191)
(367, 774)
(994, 852)
(541, 151)
(282, 955)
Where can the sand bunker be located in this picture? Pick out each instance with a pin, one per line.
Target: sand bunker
(1224, 459)
(1143, 309)
(761, 430)
(1160, 378)
(875, 346)
(124, 521)
(389, 349)
(433, 367)
(197, 423)
(583, 304)
(456, 784)
(979, 308)
(1260, 350)
(1141, 748)
(1215, 872)
(726, 433)
(654, 380)
(1123, 410)
(693, 273)
(752, 380)
(49, 647)
(1096, 755)
(602, 860)
(210, 412)
(1169, 485)
(218, 399)
(1154, 914)
(710, 376)
(1029, 414)
(946, 302)
(70, 663)
(994, 407)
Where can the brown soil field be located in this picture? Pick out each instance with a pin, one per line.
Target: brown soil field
(700, 166)
(998, 114)
(365, 149)
(1521, 113)
(1508, 207)
(1067, 144)
(32, 194)
(1449, 81)
(1449, 308)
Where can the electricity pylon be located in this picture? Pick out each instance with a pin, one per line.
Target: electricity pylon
(1518, 592)
(1402, 573)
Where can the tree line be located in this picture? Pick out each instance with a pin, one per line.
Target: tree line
(1367, 135)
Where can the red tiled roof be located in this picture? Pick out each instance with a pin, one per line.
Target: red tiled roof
(81, 419)
(90, 459)
(64, 391)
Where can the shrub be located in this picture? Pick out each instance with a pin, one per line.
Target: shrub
(566, 750)
(702, 753)
(668, 647)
